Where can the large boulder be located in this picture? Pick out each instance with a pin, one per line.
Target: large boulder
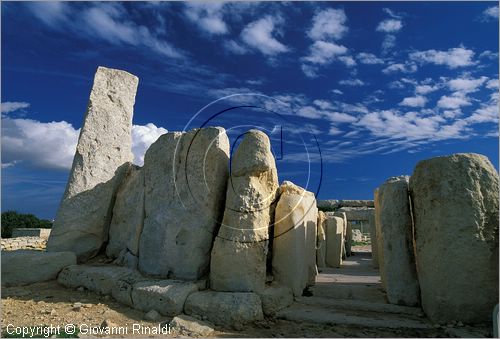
(225, 308)
(321, 241)
(334, 241)
(294, 242)
(240, 249)
(104, 147)
(165, 296)
(23, 267)
(373, 241)
(396, 238)
(455, 200)
(185, 180)
(128, 215)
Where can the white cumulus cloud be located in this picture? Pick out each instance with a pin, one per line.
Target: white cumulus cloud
(142, 138)
(259, 35)
(329, 23)
(11, 106)
(416, 101)
(453, 57)
(208, 16)
(390, 26)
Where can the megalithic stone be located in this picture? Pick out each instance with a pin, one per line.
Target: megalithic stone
(240, 248)
(455, 200)
(396, 239)
(103, 151)
(321, 240)
(294, 243)
(185, 178)
(334, 241)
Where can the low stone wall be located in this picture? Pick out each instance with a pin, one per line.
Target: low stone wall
(23, 243)
(31, 232)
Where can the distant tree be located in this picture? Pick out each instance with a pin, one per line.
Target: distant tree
(12, 219)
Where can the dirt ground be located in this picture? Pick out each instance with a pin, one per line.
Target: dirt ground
(49, 303)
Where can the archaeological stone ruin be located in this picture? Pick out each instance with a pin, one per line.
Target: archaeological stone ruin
(198, 232)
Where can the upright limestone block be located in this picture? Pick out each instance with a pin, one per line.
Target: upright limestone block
(321, 241)
(396, 238)
(455, 200)
(240, 249)
(185, 177)
(373, 241)
(344, 248)
(334, 241)
(380, 249)
(104, 147)
(294, 243)
(128, 215)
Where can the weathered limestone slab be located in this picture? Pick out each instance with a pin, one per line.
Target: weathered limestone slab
(240, 249)
(24, 267)
(104, 147)
(275, 298)
(334, 205)
(294, 243)
(225, 308)
(380, 248)
(97, 278)
(396, 238)
(185, 180)
(165, 296)
(346, 244)
(455, 200)
(128, 215)
(334, 241)
(321, 242)
(374, 241)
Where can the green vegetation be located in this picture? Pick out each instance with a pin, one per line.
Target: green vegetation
(12, 219)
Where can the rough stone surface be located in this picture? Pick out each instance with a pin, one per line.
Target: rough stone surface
(275, 298)
(104, 147)
(334, 241)
(186, 325)
(333, 205)
(31, 232)
(396, 238)
(128, 215)
(294, 243)
(185, 180)
(240, 249)
(346, 244)
(23, 243)
(357, 214)
(97, 278)
(225, 308)
(380, 249)
(374, 241)
(24, 267)
(321, 242)
(455, 200)
(165, 296)
(127, 259)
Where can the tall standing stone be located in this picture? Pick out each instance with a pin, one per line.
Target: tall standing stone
(334, 241)
(240, 249)
(380, 249)
(185, 177)
(373, 241)
(321, 247)
(128, 215)
(455, 201)
(104, 147)
(396, 238)
(294, 243)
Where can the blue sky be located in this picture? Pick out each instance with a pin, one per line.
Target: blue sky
(350, 93)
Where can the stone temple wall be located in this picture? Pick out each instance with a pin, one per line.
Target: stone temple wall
(24, 243)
